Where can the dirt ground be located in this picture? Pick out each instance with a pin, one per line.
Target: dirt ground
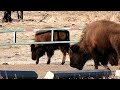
(19, 57)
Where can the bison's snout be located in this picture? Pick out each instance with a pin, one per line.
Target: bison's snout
(76, 66)
(33, 58)
(72, 65)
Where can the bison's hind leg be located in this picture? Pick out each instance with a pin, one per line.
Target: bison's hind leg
(64, 56)
(64, 49)
(104, 61)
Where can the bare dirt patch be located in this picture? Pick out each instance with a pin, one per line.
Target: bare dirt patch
(19, 57)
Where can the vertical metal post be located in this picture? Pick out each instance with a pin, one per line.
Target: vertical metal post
(14, 37)
(52, 35)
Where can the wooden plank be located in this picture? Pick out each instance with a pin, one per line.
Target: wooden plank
(11, 74)
(77, 74)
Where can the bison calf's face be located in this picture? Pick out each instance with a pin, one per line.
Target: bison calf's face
(33, 52)
(75, 60)
(37, 52)
(77, 57)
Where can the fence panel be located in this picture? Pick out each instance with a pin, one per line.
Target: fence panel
(34, 30)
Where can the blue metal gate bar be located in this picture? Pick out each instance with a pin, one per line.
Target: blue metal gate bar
(17, 74)
(28, 43)
(78, 74)
(7, 31)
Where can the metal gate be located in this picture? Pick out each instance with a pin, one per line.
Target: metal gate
(32, 30)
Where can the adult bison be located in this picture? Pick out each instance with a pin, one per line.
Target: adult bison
(7, 16)
(38, 50)
(101, 42)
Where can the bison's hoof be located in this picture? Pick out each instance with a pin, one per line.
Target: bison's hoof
(62, 63)
(48, 62)
(37, 62)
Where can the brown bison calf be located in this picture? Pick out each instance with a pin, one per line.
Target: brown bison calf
(100, 41)
(39, 50)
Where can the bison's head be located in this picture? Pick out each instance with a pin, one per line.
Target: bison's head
(37, 52)
(33, 52)
(78, 56)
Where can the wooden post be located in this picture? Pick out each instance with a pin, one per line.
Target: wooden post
(14, 37)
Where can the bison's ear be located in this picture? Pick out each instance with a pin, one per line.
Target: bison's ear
(75, 48)
(32, 47)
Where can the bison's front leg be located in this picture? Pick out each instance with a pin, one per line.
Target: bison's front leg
(96, 61)
(96, 64)
(49, 58)
(39, 53)
(49, 55)
(37, 59)
(96, 57)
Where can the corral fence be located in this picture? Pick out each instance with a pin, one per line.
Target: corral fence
(34, 30)
(11, 74)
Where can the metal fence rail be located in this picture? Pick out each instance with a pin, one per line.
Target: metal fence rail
(78, 74)
(34, 30)
(28, 43)
(18, 74)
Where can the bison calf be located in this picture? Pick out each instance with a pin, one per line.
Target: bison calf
(39, 50)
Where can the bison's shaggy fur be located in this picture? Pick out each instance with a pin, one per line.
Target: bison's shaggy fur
(39, 50)
(100, 41)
